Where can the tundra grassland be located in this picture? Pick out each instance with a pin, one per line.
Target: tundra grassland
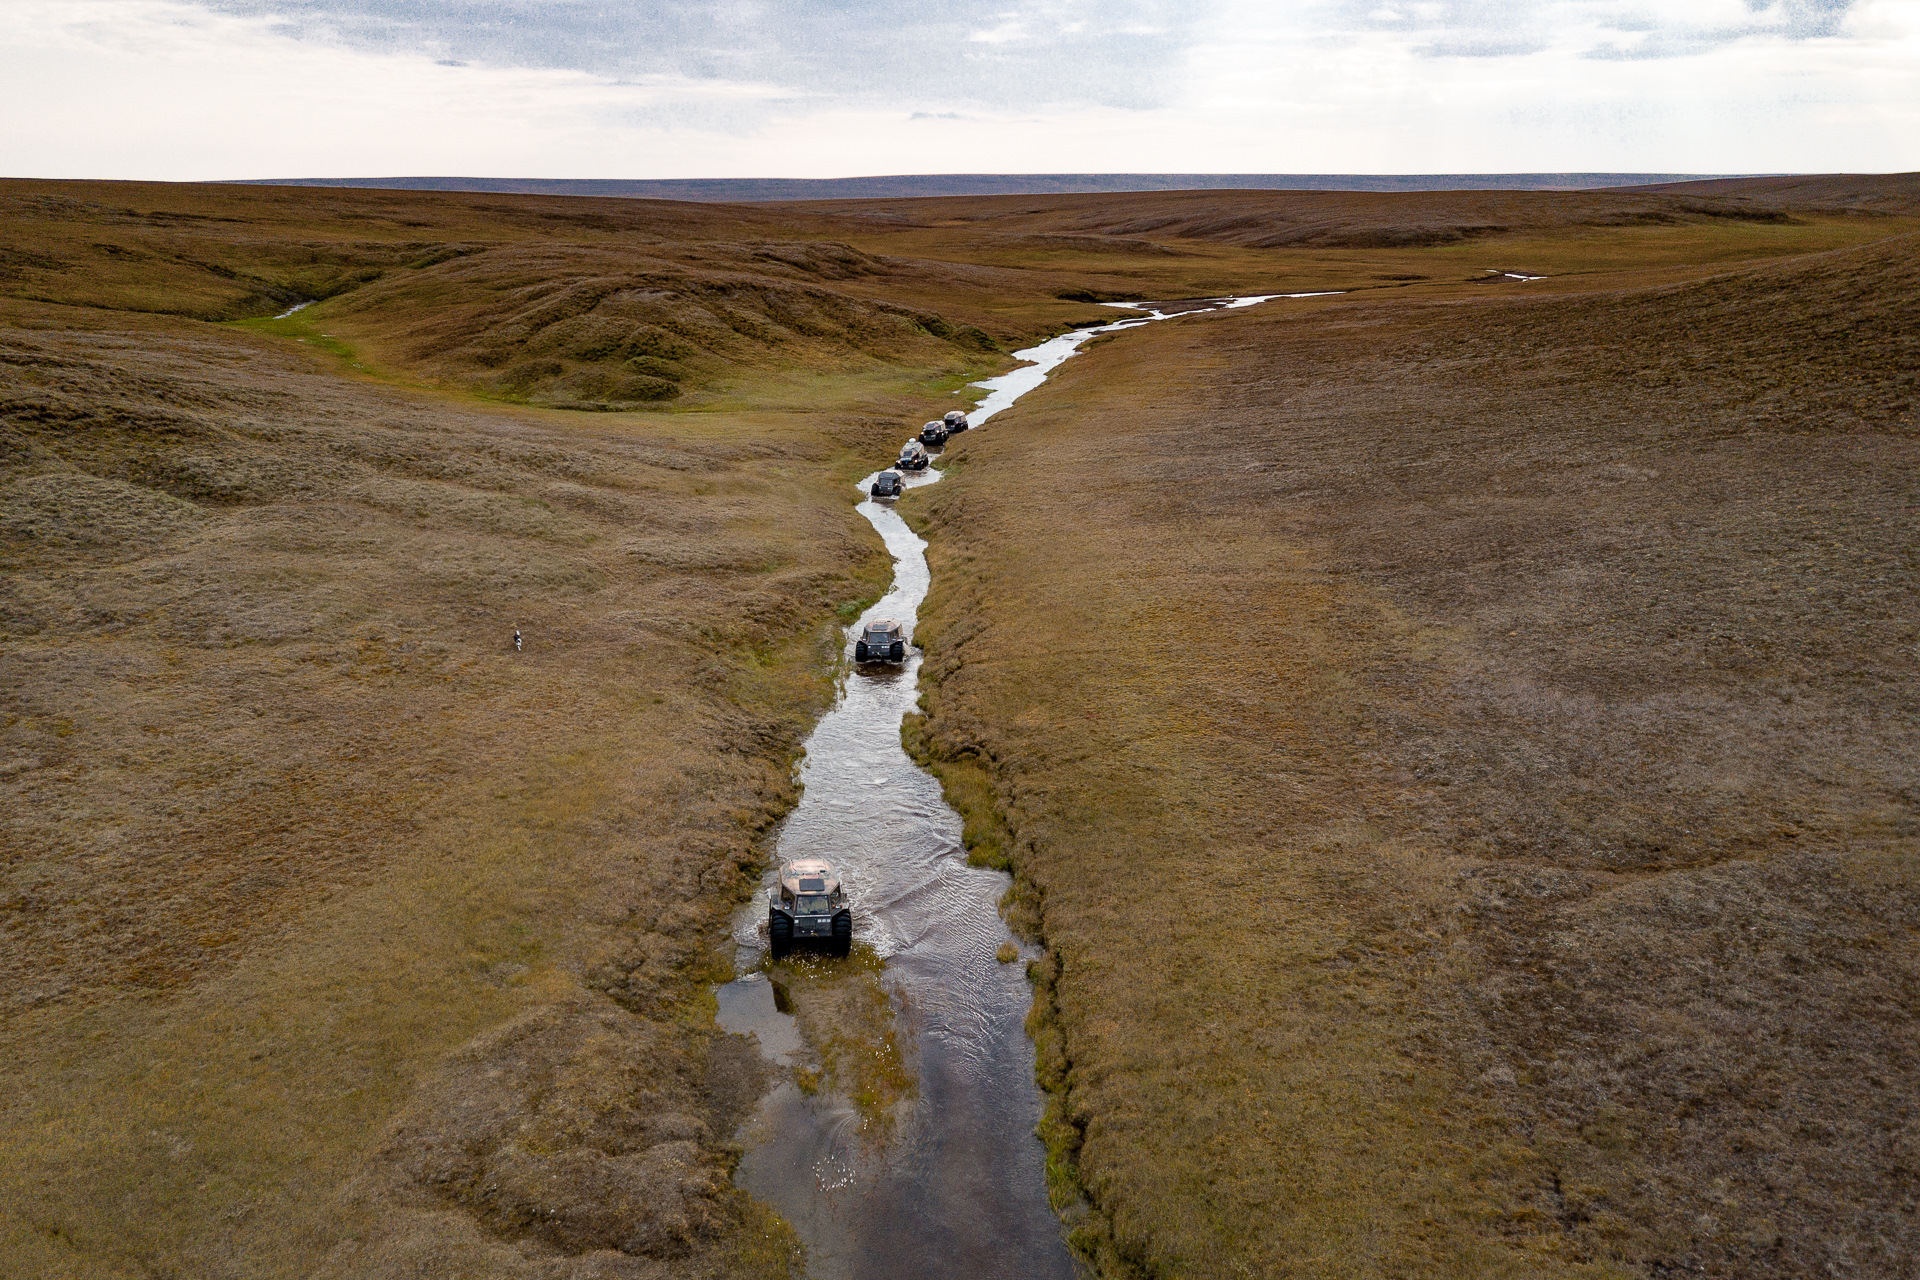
(341, 937)
(1458, 753)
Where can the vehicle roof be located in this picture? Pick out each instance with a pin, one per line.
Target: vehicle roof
(809, 867)
(806, 869)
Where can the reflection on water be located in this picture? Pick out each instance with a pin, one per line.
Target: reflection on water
(960, 1188)
(755, 1006)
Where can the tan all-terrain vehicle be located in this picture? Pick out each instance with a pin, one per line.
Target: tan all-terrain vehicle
(809, 905)
(882, 640)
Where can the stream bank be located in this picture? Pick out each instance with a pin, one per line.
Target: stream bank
(948, 1175)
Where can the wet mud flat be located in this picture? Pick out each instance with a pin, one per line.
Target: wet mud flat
(947, 1177)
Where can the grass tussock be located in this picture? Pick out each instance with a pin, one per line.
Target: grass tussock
(850, 1018)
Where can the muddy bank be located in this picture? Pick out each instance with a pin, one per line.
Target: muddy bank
(1500, 716)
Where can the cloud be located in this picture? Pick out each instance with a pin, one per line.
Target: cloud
(1009, 29)
(1802, 19)
(1519, 28)
(1044, 52)
(1472, 48)
(189, 89)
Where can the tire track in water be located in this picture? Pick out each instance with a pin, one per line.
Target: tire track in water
(960, 1189)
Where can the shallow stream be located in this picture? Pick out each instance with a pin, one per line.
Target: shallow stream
(959, 1188)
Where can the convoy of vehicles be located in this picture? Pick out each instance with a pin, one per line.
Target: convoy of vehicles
(809, 907)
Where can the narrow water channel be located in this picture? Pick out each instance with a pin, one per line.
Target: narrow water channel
(959, 1188)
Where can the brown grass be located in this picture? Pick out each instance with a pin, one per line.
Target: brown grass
(1458, 757)
(341, 937)
(1296, 219)
(1856, 193)
(289, 822)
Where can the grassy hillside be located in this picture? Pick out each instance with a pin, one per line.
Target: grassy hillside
(1459, 760)
(1856, 193)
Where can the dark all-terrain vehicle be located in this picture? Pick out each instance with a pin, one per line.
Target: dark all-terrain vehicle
(883, 640)
(888, 484)
(934, 434)
(809, 905)
(956, 422)
(913, 457)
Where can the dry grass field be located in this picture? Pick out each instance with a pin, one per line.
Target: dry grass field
(290, 821)
(341, 939)
(1459, 756)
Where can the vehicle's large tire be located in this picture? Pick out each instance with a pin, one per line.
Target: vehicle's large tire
(780, 935)
(898, 651)
(859, 650)
(843, 933)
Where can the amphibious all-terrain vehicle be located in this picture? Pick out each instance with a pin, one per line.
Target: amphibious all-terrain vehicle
(956, 422)
(882, 640)
(913, 456)
(934, 434)
(888, 484)
(809, 906)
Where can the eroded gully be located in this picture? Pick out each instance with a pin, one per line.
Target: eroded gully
(959, 1186)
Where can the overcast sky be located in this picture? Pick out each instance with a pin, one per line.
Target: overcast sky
(186, 89)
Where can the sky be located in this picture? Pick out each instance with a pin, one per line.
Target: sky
(206, 89)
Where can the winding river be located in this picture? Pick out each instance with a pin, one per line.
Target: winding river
(960, 1189)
